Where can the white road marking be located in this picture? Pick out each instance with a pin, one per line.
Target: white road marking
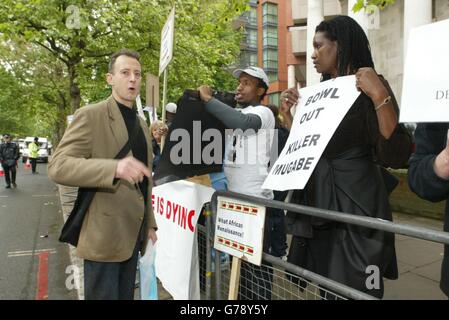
(43, 195)
(29, 252)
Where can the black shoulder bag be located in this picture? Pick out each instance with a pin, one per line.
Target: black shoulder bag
(71, 230)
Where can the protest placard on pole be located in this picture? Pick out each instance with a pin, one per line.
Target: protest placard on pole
(425, 91)
(152, 96)
(239, 231)
(321, 109)
(166, 55)
(70, 118)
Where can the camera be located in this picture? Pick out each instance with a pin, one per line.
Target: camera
(225, 97)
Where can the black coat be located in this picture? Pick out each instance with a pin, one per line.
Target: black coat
(349, 178)
(9, 154)
(430, 140)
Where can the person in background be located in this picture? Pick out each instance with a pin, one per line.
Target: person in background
(158, 129)
(428, 176)
(276, 239)
(170, 113)
(33, 148)
(9, 154)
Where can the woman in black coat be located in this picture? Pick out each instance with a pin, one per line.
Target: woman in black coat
(428, 176)
(349, 178)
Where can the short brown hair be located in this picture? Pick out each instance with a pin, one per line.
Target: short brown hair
(122, 52)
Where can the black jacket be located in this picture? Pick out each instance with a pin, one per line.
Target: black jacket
(430, 140)
(9, 153)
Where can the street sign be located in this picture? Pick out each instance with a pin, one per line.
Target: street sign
(167, 36)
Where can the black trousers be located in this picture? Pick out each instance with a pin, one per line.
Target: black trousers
(33, 162)
(10, 174)
(111, 280)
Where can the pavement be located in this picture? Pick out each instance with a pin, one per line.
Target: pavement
(419, 264)
(35, 264)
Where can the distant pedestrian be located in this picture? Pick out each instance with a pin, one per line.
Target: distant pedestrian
(9, 154)
(33, 148)
(158, 129)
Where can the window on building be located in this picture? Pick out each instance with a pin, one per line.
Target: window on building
(270, 36)
(272, 76)
(270, 59)
(273, 98)
(251, 38)
(252, 17)
(270, 13)
(270, 40)
(248, 59)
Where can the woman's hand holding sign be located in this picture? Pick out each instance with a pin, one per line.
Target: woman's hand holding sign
(369, 82)
(289, 98)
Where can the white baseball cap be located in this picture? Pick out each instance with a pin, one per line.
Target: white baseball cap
(171, 107)
(255, 72)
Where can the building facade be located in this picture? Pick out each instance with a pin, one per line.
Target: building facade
(266, 42)
(279, 32)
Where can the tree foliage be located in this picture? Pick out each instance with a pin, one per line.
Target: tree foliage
(371, 5)
(58, 50)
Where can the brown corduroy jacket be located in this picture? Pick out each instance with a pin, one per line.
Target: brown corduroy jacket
(85, 158)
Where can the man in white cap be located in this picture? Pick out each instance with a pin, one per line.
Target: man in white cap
(245, 175)
(247, 153)
(170, 113)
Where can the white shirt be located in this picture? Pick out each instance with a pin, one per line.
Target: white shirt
(247, 155)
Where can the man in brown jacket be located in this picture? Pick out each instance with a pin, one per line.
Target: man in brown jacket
(120, 219)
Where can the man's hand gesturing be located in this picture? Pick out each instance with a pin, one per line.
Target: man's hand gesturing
(131, 170)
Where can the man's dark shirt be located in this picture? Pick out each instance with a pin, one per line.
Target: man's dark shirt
(9, 153)
(139, 148)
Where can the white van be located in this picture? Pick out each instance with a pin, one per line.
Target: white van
(43, 149)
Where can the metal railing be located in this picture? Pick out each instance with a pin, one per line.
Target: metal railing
(285, 280)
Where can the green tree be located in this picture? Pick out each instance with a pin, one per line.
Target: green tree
(371, 5)
(73, 40)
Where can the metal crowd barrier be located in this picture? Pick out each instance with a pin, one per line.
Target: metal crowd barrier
(288, 281)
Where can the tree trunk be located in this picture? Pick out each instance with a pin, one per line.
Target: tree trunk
(75, 92)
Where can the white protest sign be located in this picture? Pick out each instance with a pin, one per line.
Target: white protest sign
(167, 35)
(239, 229)
(139, 108)
(321, 109)
(425, 92)
(70, 119)
(176, 207)
(152, 114)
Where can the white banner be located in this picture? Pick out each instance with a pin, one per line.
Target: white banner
(321, 109)
(177, 206)
(239, 229)
(167, 37)
(425, 92)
